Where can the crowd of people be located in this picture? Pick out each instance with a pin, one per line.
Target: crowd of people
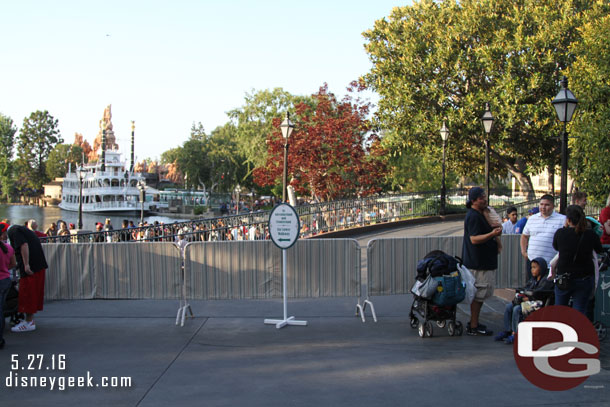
(560, 252)
(249, 226)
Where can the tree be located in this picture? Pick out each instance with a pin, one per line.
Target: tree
(213, 161)
(332, 152)
(412, 172)
(436, 61)
(590, 130)
(7, 141)
(38, 136)
(63, 157)
(228, 163)
(254, 121)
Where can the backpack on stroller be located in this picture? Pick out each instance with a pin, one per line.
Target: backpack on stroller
(438, 289)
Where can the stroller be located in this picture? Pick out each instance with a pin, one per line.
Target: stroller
(438, 289)
(11, 304)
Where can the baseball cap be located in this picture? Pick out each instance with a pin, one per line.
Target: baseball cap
(534, 211)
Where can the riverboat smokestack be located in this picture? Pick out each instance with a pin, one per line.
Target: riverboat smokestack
(133, 129)
(103, 168)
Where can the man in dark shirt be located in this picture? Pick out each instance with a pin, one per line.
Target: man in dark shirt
(31, 263)
(480, 255)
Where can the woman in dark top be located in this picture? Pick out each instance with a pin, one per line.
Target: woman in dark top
(575, 244)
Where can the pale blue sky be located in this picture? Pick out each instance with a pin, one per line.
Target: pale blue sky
(167, 64)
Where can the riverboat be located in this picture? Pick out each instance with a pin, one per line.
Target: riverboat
(105, 188)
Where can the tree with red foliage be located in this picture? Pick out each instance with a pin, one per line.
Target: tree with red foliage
(332, 152)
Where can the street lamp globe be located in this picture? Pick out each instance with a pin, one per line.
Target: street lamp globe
(487, 119)
(444, 132)
(287, 127)
(565, 102)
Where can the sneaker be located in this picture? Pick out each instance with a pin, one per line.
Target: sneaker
(502, 335)
(478, 326)
(479, 330)
(509, 339)
(24, 326)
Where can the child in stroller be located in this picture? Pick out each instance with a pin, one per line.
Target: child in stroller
(538, 292)
(437, 291)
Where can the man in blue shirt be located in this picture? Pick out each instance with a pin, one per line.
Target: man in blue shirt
(521, 222)
(480, 255)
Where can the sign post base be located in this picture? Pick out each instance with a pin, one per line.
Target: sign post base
(280, 323)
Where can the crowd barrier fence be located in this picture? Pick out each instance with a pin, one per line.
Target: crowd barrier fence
(392, 263)
(113, 271)
(252, 269)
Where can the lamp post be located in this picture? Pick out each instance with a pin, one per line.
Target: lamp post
(565, 103)
(81, 175)
(237, 192)
(142, 189)
(488, 121)
(444, 136)
(287, 127)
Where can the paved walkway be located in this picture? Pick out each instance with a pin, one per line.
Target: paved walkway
(226, 356)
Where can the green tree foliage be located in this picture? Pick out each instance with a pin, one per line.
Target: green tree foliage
(228, 163)
(254, 122)
(37, 138)
(213, 160)
(7, 141)
(61, 158)
(443, 60)
(418, 172)
(590, 130)
(192, 160)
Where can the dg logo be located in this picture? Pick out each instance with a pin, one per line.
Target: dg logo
(557, 348)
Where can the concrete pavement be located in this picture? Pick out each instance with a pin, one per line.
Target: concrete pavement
(226, 356)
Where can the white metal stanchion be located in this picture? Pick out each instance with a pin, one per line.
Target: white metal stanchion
(183, 305)
(280, 323)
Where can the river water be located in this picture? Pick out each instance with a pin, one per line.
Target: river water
(18, 214)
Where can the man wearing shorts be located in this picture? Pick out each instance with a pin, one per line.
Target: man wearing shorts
(31, 264)
(480, 255)
(537, 237)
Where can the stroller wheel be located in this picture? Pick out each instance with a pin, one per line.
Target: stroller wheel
(424, 329)
(440, 324)
(451, 328)
(428, 329)
(459, 329)
(414, 322)
(601, 330)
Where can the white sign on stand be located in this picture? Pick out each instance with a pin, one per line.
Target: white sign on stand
(284, 227)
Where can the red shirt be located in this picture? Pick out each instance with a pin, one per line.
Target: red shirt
(603, 217)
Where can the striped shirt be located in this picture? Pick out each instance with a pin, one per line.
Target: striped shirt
(541, 232)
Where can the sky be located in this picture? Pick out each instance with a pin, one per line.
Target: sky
(169, 64)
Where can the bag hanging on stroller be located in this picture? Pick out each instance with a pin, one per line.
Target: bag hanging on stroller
(450, 290)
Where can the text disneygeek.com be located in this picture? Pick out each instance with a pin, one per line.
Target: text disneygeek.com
(23, 364)
(66, 382)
